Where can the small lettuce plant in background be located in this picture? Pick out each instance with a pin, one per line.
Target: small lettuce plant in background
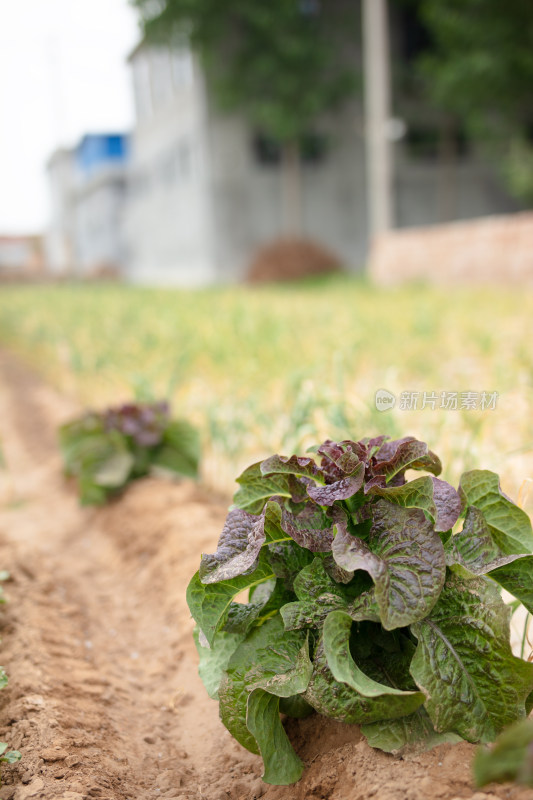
(106, 450)
(373, 599)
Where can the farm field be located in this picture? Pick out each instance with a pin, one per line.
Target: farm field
(104, 700)
(278, 368)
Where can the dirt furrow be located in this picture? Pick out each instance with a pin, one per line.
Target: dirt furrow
(104, 700)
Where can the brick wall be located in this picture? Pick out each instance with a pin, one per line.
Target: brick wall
(495, 249)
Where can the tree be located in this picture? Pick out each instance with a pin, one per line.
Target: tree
(283, 63)
(480, 68)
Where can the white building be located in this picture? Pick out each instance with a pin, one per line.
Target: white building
(206, 188)
(89, 193)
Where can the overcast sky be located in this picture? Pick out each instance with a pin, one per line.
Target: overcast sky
(62, 74)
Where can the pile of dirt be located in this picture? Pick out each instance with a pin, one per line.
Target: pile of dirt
(290, 259)
(104, 699)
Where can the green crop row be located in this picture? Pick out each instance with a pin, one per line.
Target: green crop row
(273, 369)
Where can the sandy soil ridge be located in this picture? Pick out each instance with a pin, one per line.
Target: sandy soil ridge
(104, 700)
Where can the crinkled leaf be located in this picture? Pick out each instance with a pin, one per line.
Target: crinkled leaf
(410, 734)
(436, 497)
(448, 504)
(318, 594)
(475, 549)
(282, 765)
(337, 630)
(253, 660)
(510, 527)
(310, 529)
(464, 664)
(340, 459)
(287, 559)
(510, 758)
(214, 660)
(339, 490)
(240, 542)
(517, 579)
(398, 455)
(302, 467)
(256, 488)
(388, 665)
(209, 603)
(285, 667)
(404, 557)
(233, 700)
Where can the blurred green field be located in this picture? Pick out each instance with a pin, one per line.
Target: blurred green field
(277, 368)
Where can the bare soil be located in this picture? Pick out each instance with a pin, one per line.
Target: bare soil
(104, 700)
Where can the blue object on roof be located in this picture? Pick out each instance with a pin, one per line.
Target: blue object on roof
(100, 149)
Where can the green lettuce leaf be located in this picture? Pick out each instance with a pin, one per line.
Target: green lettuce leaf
(381, 666)
(464, 664)
(282, 765)
(437, 498)
(209, 604)
(476, 550)
(214, 660)
(404, 557)
(267, 656)
(510, 527)
(256, 488)
(337, 630)
(409, 734)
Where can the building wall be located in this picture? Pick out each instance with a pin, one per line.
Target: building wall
(248, 195)
(168, 213)
(494, 249)
(99, 222)
(59, 243)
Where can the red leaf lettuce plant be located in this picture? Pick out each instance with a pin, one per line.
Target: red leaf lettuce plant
(368, 603)
(108, 449)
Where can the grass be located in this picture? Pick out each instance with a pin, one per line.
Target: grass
(275, 369)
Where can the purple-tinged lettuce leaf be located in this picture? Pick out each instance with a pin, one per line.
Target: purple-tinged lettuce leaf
(404, 557)
(401, 454)
(464, 663)
(281, 764)
(241, 540)
(448, 504)
(411, 734)
(339, 490)
(510, 527)
(336, 636)
(243, 537)
(432, 495)
(341, 459)
(256, 489)
(209, 603)
(295, 465)
(311, 528)
(510, 758)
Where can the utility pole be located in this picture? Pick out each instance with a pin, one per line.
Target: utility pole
(377, 115)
